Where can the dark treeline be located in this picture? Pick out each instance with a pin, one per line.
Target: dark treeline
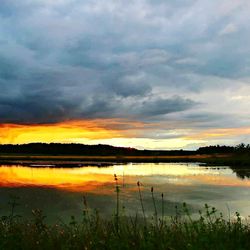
(106, 150)
(81, 149)
(241, 148)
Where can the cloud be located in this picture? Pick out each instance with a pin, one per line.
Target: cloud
(142, 60)
(50, 104)
(230, 28)
(165, 106)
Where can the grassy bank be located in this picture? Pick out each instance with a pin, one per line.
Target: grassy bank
(210, 231)
(93, 232)
(17, 158)
(181, 231)
(234, 160)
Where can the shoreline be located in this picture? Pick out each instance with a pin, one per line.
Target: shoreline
(72, 161)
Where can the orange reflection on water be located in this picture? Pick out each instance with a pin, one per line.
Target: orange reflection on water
(101, 180)
(63, 178)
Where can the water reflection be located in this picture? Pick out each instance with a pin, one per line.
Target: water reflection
(242, 173)
(62, 188)
(91, 178)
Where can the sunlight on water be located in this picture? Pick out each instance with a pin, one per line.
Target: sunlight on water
(179, 182)
(86, 178)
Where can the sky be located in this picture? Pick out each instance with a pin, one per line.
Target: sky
(155, 74)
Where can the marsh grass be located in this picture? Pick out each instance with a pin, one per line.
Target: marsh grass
(180, 231)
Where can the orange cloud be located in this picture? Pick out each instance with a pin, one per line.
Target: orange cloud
(71, 131)
(217, 133)
(61, 132)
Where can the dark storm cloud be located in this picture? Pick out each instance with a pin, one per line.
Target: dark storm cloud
(36, 107)
(166, 106)
(71, 59)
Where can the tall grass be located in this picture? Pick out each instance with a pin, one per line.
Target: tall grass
(210, 231)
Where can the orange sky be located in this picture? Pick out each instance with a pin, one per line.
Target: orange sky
(125, 73)
(117, 132)
(219, 132)
(61, 132)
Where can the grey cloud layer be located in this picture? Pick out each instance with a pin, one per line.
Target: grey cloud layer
(140, 59)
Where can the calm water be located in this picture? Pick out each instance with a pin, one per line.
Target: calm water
(58, 192)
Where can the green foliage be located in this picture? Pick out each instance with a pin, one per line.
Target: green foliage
(181, 231)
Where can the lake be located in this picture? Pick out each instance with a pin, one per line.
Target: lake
(59, 191)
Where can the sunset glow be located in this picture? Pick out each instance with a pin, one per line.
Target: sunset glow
(62, 132)
(148, 74)
(90, 179)
(121, 119)
(108, 131)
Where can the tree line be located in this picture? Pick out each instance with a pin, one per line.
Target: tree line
(240, 148)
(105, 150)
